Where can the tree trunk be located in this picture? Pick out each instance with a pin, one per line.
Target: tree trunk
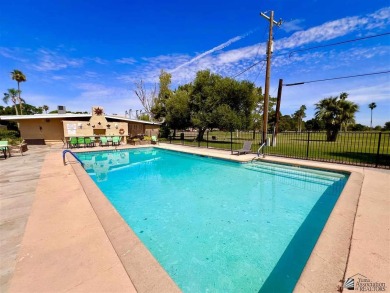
(371, 120)
(20, 100)
(16, 109)
(331, 134)
(201, 132)
(334, 135)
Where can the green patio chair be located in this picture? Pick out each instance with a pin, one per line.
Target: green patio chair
(81, 141)
(88, 141)
(116, 140)
(104, 141)
(4, 147)
(92, 140)
(73, 142)
(109, 140)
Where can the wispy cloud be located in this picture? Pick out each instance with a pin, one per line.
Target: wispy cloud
(366, 94)
(126, 61)
(48, 60)
(12, 54)
(215, 49)
(52, 61)
(97, 60)
(100, 94)
(150, 68)
(379, 18)
(292, 25)
(58, 77)
(230, 62)
(166, 61)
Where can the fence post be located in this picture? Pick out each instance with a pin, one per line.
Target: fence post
(377, 152)
(207, 137)
(307, 147)
(231, 142)
(199, 138)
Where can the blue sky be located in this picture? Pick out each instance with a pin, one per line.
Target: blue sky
(85, 53)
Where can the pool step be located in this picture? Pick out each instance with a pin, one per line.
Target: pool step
(315, 176)
(300, 169)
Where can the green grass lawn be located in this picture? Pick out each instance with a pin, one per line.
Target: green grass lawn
(358, 148)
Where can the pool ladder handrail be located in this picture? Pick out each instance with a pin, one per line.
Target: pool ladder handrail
(261, 148)
(69, 151)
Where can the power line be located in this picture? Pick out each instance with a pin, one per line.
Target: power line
(334, 78)
(328, 45)
(257, 53)
(339, 43)
(246, 69)
(261, 69)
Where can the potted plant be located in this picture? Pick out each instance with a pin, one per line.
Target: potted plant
(146, 140)
(134, 141)
(17, 145)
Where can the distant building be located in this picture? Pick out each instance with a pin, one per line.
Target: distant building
(51, 128)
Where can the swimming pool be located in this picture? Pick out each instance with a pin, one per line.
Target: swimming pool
(219, 225)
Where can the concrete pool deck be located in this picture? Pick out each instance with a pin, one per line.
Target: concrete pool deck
(57, 253)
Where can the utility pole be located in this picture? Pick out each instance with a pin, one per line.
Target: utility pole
(278, 101)
(268, 70)
(277, 118)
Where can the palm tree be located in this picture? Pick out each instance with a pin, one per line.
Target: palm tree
(45, 108)
(299, 115)
(12, 94)
(335, 111)
(372, 106)
(347, 123)
(348, 110)
(19, 77)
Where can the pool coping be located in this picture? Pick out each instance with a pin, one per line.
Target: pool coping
(323, 272)
(144, 271)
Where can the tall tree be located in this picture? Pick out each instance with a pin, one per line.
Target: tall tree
(314, 125)
(164, 93)
(335, 111)
(13, 95)
(19, 77)
(372, 106)
(178, 111)
(147, 98)
(45, 108)
(144, 117)
(299, 115)
(215, 100)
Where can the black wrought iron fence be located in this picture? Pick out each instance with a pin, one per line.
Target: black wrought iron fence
(370, 149)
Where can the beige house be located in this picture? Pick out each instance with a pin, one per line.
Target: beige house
(51, 128)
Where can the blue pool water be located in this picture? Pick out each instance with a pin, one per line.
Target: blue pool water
(217, 225)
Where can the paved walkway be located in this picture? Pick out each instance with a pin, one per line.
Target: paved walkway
(19, 176)
(370, 248)
(65, 248)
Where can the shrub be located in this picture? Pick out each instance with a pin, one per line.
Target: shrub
(15, 141)
(9, 134)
